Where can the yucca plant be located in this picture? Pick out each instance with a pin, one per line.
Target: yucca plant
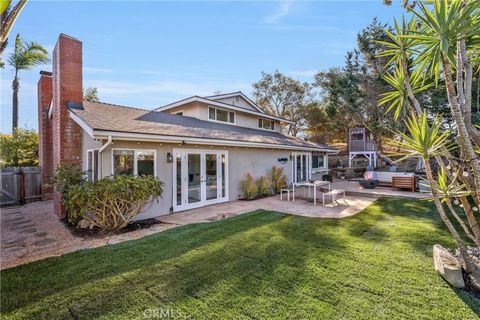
(449, 191)
(397, 99)
(426, 141)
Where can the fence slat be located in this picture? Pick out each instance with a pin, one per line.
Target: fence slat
(20, 184)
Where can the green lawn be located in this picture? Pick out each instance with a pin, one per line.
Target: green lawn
(262, 265)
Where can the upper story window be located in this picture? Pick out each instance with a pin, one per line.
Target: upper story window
(221, 115)
(266, 124)
(133, 162)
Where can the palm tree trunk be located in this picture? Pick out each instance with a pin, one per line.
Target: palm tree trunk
(410, 93)
(464, 141)
(15, 87)
(462, 223)
(467, 208)
(464, 89)
(468, 264)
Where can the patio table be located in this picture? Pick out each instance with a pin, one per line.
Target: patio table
(309, 185)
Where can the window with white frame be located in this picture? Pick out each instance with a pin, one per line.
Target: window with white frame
(134, 162)
(266, 124)
(319, 161)
(92, 165)
(221, 115)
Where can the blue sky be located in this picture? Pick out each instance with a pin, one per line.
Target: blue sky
(147, 54)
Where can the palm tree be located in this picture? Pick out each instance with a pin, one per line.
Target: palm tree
(446, 34)
(427, 141)
(25, 56)
(8, 15)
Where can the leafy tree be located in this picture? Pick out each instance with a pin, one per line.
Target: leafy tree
(26, 55)
(19, 149)
(285, 97)
(8, 15)
(91, 94)
(349, 94)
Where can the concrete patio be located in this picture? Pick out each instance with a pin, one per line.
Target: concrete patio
(33, 232)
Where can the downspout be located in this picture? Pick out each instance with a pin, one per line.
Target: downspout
(102, 148)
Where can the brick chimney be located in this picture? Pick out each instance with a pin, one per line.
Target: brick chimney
(67, 87)
(44, 88)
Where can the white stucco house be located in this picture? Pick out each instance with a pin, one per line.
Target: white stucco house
(200, 147)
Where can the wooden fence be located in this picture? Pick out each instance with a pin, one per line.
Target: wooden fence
(20, 185)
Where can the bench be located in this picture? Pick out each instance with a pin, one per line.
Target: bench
(333, 194)
(403, 183)
(288, 193)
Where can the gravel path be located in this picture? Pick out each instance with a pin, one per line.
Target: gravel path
(33, 232)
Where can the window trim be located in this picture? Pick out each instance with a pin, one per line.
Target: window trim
(176, 113)
(325, 163)
(226, 110)
(135, 165)
(93, 164)
(262, 128)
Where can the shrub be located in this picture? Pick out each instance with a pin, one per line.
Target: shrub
(263, 186)
(249, 187)
(67, 176)
(278, 179)
(19, 149)
(111, 203)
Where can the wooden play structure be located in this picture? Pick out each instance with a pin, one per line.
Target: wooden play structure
(361, 143)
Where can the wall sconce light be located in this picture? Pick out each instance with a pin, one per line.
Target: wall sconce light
(169, 157)
(291, 157)
(282, 160)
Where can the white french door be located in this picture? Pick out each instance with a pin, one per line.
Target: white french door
(200, 177)
(301, 166)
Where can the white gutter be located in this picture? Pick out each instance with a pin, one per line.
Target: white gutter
(191, 140)
(103, 147)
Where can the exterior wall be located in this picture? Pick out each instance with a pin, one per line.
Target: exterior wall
(45, 151)
(237, 101)
(241, 161)
(67, 87)
(200, 111)
(191, 109)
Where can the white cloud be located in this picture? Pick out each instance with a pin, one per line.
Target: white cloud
(303, 73)
(96, 70)
(283, 9)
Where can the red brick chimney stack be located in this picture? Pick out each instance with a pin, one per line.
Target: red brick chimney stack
(66, 87)
(44, 88)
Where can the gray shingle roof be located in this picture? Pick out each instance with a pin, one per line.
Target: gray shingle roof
(108, 117)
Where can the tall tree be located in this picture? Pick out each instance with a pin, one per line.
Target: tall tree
(26, 55)
(8, 15)
(350, 93)
(91, 94)
(285, 97)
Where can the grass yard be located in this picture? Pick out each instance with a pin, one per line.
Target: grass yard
(262, 265)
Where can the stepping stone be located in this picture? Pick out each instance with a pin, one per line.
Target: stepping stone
(19, 223)
(43, 242)
(8, 220)
(30, 230)
(15, 239)
(12, 213)
(13, 249)
(40, 234)
(22, 227)
(15, 244)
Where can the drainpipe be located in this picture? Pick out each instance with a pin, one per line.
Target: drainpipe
(102, 148)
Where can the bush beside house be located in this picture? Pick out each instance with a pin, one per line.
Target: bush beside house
(110, 203)
(264, 186)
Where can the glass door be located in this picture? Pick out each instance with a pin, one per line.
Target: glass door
(200, 178)
(302, 164)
